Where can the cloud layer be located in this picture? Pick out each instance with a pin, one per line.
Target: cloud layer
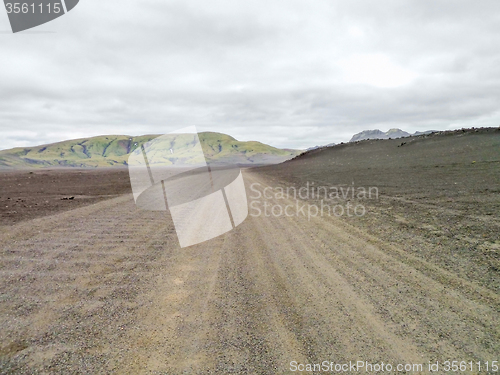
(289, 73)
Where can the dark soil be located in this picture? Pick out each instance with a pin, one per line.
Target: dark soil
(26, 194)
(439, 194)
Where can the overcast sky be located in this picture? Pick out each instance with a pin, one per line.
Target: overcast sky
(289, 73)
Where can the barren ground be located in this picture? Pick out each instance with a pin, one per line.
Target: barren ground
(105, 288)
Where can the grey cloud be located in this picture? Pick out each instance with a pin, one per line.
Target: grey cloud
(268, 71)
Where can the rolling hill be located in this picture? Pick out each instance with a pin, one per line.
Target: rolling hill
(114, 150)
(453, 147)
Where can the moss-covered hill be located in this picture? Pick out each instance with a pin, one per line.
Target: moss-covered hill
(114, 150)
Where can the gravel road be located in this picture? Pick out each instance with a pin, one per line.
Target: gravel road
(106, 289)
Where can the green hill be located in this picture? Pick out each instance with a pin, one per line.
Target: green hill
(114, 150)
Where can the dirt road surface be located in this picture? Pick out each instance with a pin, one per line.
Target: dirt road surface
(106, 289)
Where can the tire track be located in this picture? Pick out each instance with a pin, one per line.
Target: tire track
(106, 288)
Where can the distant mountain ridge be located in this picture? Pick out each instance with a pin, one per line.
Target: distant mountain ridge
(391, 133)
(316, 147)
(114, 150)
